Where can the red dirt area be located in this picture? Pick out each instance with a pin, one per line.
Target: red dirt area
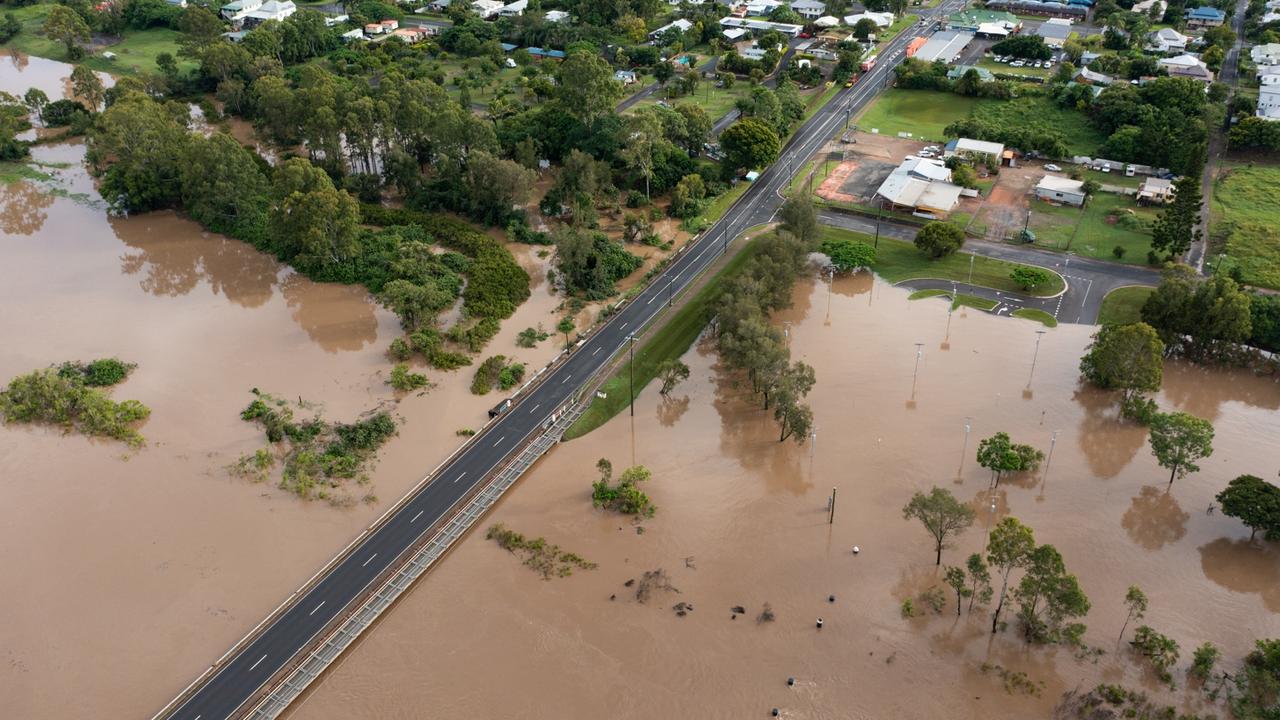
(830, 188)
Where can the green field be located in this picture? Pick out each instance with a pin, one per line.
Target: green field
(1246, 202)
(136, 52)
(1124, 305)
(925, 114)
(1036, 315)
(716, 101)
(1091, 232)
(897, 261)
(988, 63)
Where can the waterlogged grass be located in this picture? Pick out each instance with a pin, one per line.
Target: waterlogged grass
(14, 172)
(668, 341)
(897, 261)
(1124, 305)
(1039, 316)
(1246, 201)
(135, 53)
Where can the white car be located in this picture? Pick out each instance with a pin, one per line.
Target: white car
(1017, 63)
(1052, 168)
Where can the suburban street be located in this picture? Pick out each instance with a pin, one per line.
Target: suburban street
(231, 685)
(1088, 280)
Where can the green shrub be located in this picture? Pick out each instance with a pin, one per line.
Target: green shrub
(530, 337)
(488, 374)
(404, 380)
(624, 497)
(99, 373)
(510, 376)
(57, 398)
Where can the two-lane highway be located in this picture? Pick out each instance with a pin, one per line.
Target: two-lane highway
(230, 686)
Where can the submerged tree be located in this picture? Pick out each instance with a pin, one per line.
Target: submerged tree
(1128, 358)
(1049, 597)
(1162, 651)
(955, 578)
(672, 372)
(1009, 547)
(1136, 601)
(1000, 455)
(1178, 440)
(979, 579)
(940, 514)
(1255, 502)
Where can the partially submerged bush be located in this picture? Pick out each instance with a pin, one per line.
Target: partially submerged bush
(624, 497)
(63, 396)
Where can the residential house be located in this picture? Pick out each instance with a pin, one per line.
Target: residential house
(389, 25)
(335, 20)
(1055, 31)
(760, 25)
(809, 9)
(1145, 6)
(487, 8)
(761, 8)
(1155, 191)
(439, 5)
(1204, 17)
(514, 9)
(989, 153)
(1188, 66)
(1035, 7)
(680, 25)
(373, 29)
(1265, 72)
(235, 11)
(1055, 188)
(960, 71)
(177, 3)
(1266, 54)
(1269, 102)
(626, 77)
(356, 34)
(545, 53)
(277, 10)
(921, 185)
(1087, 57)
(881, 19)
(944, 46)
(993, 31)
(557, 16)
(411, 35)
(1085, 76)
(1167, 40)
(734, 34)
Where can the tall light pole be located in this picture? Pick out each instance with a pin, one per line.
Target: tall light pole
(1053, 441)
(968, 425)
(971, 259)
(1034, 356)
(879, 210)
(631, 342)
(916, 373)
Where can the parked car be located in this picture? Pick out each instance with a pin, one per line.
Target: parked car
(1017, 63)
(1052, 168)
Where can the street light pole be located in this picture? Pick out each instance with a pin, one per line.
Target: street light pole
(669, 282)
(916, 373)
(879, 210)
(1034, 356)
(965, 447)
(631, 342)
(971, 259)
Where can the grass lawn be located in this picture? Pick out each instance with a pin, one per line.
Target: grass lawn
(1092, 231)
(926, 113)
(1245, 202)
(973, 301)
(1039, 316)
(922, 294)
(1118, 179)
(136, 52)
(1123, 305)
(897, 261)
(888, 34)
(920, 112)
(716, 101)
(669, 340)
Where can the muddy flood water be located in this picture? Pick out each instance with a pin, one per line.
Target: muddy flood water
(128, 571)
(741, 520)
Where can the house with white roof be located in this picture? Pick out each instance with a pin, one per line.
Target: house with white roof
(1055, 188)
(1055, 31)
(881, 19)
(809, 9)
(277, 10)
(487, 8)
(235, 11)
(680, 25)
(989, 153)
(1188, 66)
(1168, 40)
(557, 16)
(921, 185)
(1268, 102)
(1266, 54)
(514, 9)
(760, 8)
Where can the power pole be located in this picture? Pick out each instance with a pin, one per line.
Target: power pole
(631, 341)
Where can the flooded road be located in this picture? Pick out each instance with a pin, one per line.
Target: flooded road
(741, 520)
(129, 571)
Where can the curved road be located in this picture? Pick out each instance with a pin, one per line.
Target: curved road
(1088, 280)
(242, 675)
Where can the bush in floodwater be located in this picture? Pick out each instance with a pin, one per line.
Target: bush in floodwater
(99, 373)
(50, 396)
(404, 380)
(547, 559)
(624, 497)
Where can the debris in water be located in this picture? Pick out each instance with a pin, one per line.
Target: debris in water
(738, 610)
(629, 583)
(819, 623)
(682, 608)
(688, 562)
(831, 598)
(856, 550)
(766, 614)
(613, 597)
(653, 580)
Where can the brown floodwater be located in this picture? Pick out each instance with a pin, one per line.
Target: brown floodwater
(129, 571)
(742, 521)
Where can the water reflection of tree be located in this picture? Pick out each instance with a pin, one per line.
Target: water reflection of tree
(22, 207)
(859, 283)
(1202, 391)
(671, 410)
(1108, 443)
(335, 317)
(1154, 519)
(749, 435)
(1244, 567)
(174, 256)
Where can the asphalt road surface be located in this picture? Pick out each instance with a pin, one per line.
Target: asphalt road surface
(1088, 280)
(227, 690)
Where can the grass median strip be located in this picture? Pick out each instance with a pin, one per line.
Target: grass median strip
(897, 261)
(1037, 315)
(668, 340)
(1124, 305)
